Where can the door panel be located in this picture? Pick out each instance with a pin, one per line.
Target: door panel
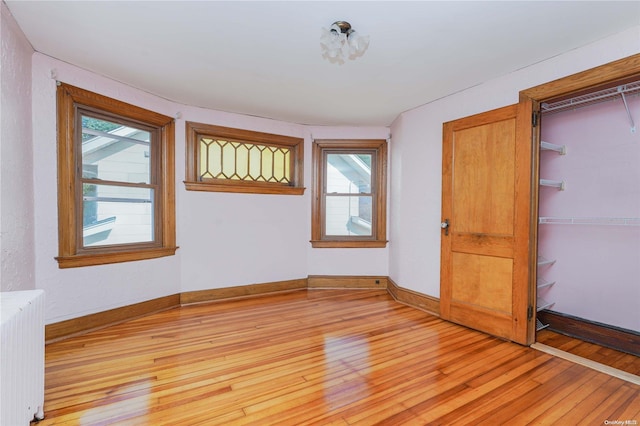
(483, 182)
(486, 198)
(483, 281)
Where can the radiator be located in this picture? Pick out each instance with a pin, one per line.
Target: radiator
(21, 357)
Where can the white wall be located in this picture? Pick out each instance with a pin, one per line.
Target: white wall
(416, 160)
(17, 267)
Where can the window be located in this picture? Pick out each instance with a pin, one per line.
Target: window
(223, 159)
(115, 181)
(349, 200)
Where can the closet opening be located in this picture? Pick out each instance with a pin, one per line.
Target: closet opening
(586, 273)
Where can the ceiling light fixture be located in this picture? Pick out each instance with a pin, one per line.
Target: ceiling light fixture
(340, 41)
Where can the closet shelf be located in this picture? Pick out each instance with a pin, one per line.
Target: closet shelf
(543, 304)
(542, 261)
(553, 183)
(542, 283)
(540, 325)
(547, 146)
(619, 221)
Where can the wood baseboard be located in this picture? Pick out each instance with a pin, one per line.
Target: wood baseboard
(75, 326)
(590, 331)
(60, 330)
(347, 281)
(414, 299)
(63, 329)
(241, 291)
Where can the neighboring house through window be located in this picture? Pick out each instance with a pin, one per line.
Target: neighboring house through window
(349, 200)
(115, 180)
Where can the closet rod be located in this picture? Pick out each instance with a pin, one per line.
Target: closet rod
(620, 221)
(591, 98)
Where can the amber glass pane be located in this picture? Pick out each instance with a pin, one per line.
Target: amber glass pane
(221, 159)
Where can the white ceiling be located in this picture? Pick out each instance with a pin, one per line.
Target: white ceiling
(263, 58)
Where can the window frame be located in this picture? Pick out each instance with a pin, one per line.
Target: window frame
(377, 147)
(195, 131)
(72, 102)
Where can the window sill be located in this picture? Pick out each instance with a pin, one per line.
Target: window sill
(348, 244)
(242, 187)
(93, 259)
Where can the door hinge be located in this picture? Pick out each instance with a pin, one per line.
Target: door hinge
(530, 312)
(535, 116)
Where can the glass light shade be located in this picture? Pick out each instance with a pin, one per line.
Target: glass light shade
(357, 44)
(337, 45)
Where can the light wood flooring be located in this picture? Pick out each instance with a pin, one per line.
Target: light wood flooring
(318, 357)
(607, 356)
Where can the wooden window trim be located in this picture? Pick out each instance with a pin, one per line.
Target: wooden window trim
(194, 131)
(379, 189)
(71, 254)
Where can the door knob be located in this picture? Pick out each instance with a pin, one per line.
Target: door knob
(445, 225)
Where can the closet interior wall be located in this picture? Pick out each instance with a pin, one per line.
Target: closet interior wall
(590, 213)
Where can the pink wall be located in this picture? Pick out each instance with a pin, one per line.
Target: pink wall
(345, 261)
(17, 268)
(81, 291)
(225, 239)
(236, 239)
(597, 267)
(416, 155)
(239, 239)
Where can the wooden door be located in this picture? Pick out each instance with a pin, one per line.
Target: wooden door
(487, 197)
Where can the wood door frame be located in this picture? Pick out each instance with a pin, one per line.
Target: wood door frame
(601, 76)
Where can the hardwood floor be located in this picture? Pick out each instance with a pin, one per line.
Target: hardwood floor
(317, 357)
(611, 357)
